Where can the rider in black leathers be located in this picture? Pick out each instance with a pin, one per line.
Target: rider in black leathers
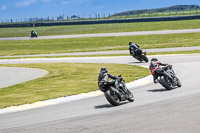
(33, 32)
(134, 49)
(153, 67)
(103, 82)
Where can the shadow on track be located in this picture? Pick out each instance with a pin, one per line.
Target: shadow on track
(135, 62)
(158, 90)
(108, 105)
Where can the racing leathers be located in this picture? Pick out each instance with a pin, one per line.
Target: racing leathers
(153, 67)
(33, 33)
(103, 81)
(134, 49)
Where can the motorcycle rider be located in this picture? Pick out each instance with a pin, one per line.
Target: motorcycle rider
(33, 32)
(134, 49)
(103, 81)
(153, 67)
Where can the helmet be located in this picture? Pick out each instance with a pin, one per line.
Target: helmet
(130, 43)
(104, 70)
(154, 59)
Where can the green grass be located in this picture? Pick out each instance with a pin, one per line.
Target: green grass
(106, 55)
(101, 28)
(175, 52)
(29, 47)
(64, 79)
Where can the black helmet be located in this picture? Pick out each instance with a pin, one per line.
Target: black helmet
(130, 43)
(104, 70)
(154, 59)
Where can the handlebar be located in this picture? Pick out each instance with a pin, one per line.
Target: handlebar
(159, 70)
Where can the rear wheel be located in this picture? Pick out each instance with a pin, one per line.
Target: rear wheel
(166, 83)
(112, 98)
(138, 58)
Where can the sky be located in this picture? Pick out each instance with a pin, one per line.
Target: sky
(22, 9)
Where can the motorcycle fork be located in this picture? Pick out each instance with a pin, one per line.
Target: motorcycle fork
(114, 90)
(170, 77)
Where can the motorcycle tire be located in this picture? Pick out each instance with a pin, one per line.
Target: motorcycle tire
(179, 83)
(112, 98)
(165, 84)
(144, 58)
(130, 96)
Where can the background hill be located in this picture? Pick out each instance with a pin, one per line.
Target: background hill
(174, 8)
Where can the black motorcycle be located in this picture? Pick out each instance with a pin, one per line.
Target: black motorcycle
(117, 92)
(167, 77)
(33, 34)
(139, 55)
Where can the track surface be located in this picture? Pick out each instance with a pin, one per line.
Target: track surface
(107, 34)
(155, 110)
(14, 75)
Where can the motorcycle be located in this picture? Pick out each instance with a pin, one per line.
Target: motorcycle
(167, 78)
(33, 34)
(117, 92)
(141, 56)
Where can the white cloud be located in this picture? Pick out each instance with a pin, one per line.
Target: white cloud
(3, 8)
(25, 3)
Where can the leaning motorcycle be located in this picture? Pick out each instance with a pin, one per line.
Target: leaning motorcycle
(167, 78)
(141, 56)
(117, 92)
(34, 34)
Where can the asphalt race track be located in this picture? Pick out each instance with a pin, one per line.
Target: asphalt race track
(14, 75)
(154, 110)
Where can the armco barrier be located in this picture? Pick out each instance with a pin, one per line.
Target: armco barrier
(104, 21)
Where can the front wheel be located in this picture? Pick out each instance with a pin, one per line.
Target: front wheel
(130, 96)
(167, 84)
(112, 97)
(179, 83)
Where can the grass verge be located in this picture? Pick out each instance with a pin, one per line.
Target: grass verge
(159, 14)
(64, 79)
(100, 28)
(68, 45)
(175, 52)
(107, 55)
